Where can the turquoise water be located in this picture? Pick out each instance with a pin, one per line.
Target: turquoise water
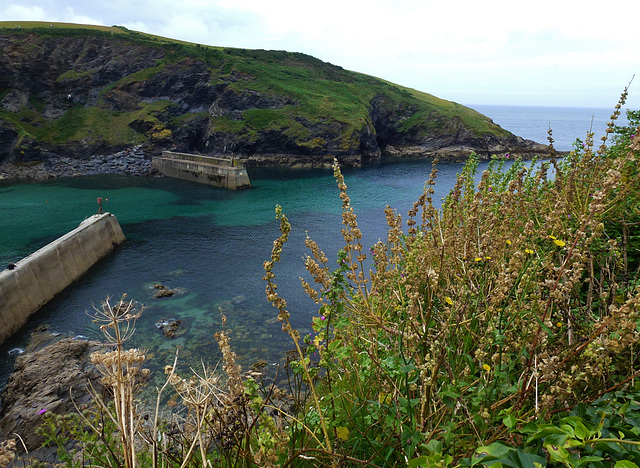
(207, 243)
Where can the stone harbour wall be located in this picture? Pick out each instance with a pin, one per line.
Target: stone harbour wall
(225, 173)
(33, 281)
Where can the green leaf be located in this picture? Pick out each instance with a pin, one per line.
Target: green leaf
(510, 421)
(495, 451)
(420, 461)
(408, 368)
(588, 460)
(529, 460)
(544, 431)
(582, 432)
(450, 392)
(625, 464)
(557, 439)
(558, 454)
(434, 446)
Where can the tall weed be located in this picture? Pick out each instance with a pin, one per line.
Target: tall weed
(512, 302)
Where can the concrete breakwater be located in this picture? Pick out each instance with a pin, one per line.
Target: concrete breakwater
(220, 172)
(33, 281)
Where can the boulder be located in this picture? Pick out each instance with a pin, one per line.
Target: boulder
(52, 379)
(163, 291)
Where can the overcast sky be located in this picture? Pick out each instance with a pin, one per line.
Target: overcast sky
(541, 52)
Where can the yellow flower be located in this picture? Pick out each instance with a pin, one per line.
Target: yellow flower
(384, 398)
(478, 259)
(487, 258)
(559, 324)
(559, 243)
(529, 251)
(342, 433)
(552, 237)
(448, 300)
(486, 367)
(508, 242)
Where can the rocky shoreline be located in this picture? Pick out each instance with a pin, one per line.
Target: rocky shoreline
(50, 379)
(131, 161)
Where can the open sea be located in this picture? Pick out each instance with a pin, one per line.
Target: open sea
(209, 244)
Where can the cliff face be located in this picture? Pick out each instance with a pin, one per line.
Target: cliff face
(85, 92)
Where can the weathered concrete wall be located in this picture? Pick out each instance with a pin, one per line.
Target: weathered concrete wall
(226, 173)
(36, 279)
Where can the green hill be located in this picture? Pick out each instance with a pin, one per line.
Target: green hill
(79, 90)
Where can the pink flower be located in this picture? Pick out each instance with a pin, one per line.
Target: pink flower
(42, 411)
(323, 318)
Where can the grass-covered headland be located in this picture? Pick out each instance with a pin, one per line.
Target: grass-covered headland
(80, 90)
(500, 330)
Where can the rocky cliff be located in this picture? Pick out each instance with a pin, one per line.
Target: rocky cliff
(86, 91)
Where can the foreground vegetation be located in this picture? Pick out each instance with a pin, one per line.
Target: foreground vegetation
(501, 329)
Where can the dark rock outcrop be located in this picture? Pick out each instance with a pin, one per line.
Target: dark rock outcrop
(46, 381)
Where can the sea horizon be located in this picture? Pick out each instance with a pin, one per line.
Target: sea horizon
(567, 123)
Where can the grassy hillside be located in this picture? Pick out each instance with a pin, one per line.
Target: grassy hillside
(309, 104)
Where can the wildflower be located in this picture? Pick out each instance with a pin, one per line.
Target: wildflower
(478, 259)
(508, 242)
(559, 324)
(487, 258)
(559, 243)
(448, 300)
(486, 367)
(552, 237)
(42, 411)
(323, 318)
(342, 433)
(528, 251)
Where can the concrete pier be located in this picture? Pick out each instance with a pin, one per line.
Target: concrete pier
(36, 279)
(220, 172)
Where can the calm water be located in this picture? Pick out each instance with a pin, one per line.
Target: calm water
(567, 123)
(210, 243)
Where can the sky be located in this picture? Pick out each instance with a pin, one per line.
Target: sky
(543, 53)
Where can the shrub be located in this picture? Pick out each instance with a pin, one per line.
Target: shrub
(510, 304)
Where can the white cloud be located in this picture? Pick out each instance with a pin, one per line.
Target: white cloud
(14, 12)
(575, 53)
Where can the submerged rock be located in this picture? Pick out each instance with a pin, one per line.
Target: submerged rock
(163, 291)
(170, 327)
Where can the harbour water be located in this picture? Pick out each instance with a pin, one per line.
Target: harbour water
(209, 244)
